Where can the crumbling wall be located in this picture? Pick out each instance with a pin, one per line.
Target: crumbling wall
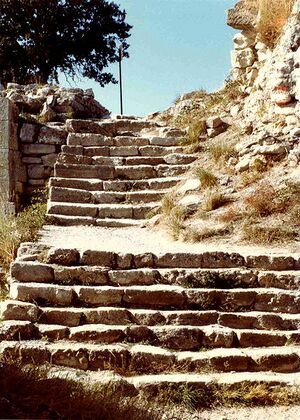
(32, 132)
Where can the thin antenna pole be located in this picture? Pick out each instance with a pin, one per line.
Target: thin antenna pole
(120, 77)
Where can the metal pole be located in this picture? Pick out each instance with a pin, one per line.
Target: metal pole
(120, 77)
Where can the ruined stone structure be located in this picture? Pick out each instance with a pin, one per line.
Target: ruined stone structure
(32, 133)
(198, 318)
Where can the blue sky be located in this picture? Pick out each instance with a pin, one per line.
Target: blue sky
(176, 46)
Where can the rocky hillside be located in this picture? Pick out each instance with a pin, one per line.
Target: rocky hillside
(245, 184)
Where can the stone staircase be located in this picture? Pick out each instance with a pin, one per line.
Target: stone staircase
(156, 320)
(114, 173)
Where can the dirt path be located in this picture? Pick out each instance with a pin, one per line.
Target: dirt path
(136, 239)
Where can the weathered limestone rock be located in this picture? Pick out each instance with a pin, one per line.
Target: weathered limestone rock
(242, 58)
(242, 16)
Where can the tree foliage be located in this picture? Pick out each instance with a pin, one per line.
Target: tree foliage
(39, 38)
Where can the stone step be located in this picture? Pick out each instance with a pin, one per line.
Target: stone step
(104, 139)
(218, 278)
(173, 337)
(119, 223)
(207, 383)
(118, 186)
(60, 220)
(72, 195)
(125, 172)
(109, 127)
(284, 267)
(102, 211)
(144, 359)
(159, 297)
(121, 159)
(123, 146)
(73, 317)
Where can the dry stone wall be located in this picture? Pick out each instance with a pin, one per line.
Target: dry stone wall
(33, 130)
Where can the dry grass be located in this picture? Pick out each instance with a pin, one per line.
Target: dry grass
(249, 178)
(196, 129)
(214, 199)
(244, 394)
(27, 392)
(271, 214)
(221, 152)
(260, 233)
(266, 200)
(273, 17)
(168, 202)
(17, 229)
(175, 222)
(197, 235)
(207, 178)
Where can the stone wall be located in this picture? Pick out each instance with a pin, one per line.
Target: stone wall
(12, 172)
(248, 53)
(40, 145)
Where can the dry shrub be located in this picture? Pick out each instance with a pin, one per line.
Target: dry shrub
(175, 221)
(168, 202)
(249, 178)
(230, 215)
(207, 178)
(261, 201)
(196, 129)
(258, 233)
(17, 229)
(266, 200)
(221, 152)
(28, 392)
(198, 235)
(273, 17)
(214, 199)
(236, 395)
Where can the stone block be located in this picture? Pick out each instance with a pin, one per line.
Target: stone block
(109, 357)
(100, 258)
(132, 277)
(63, 256)
(52, 135)
(61, 316)
(36, 292)
(71, 357)
(18, 330)
(36, 171)
(99, 296)
(154, 297)
(179, 338)
(18, 311)
(49, 160)
(27, 133)
(81, 275)
(97, 334)
(38, 149)
(31, 272)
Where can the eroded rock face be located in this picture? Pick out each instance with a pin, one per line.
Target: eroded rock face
(242, 16)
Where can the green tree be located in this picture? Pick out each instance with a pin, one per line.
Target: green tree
(39, 38)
